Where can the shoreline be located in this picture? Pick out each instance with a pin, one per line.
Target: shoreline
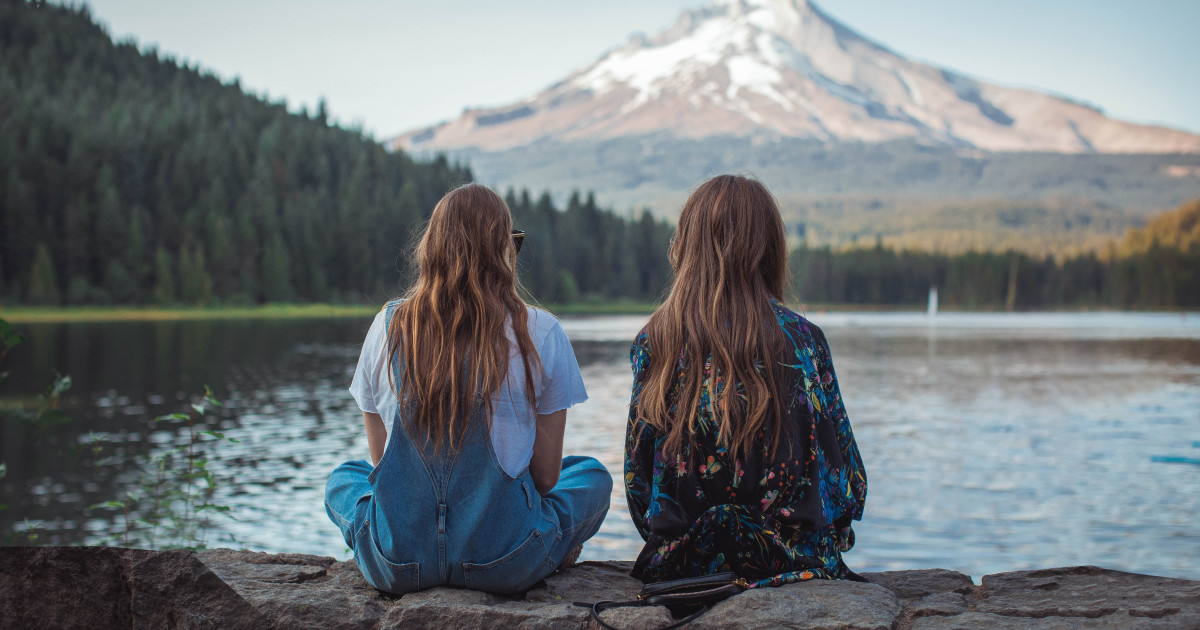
(137, 313)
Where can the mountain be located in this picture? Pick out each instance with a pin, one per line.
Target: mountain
(785, 69)
(858, 143)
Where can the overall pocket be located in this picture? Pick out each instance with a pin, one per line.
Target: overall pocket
(380, 572)
(516, 571)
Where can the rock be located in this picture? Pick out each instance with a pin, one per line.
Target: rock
(82, 587)
(1097, 596)
(816, 605)
(940, 604)
(549, 605)
(919, 583)
(107, 587)
(987, 621)
(301, 591)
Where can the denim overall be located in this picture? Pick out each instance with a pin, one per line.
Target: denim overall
(421, 518)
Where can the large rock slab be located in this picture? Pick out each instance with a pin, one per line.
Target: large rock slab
(80, 587)
(918, 584)
(301, 591)
(106, 587)
(1091, 597)
(815, 605)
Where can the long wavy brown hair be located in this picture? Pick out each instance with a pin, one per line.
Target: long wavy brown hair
(450, 332)
(730, 259)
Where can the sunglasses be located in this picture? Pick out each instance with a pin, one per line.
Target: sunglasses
(518, 238)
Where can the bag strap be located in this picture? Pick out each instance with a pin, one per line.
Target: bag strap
(600, 607)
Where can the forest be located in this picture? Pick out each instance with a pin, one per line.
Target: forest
(1153, 267)
(129, 178)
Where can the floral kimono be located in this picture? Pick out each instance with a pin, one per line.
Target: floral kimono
(785, 519)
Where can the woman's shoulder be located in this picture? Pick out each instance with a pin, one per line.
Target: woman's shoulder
(540, 322)
(796, 325)
(388, 307)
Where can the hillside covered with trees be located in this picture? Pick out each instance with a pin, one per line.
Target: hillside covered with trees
(1156, 266)
(128, 178)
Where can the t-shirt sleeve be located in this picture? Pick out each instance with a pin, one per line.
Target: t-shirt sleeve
(362, 386)
(562, 384)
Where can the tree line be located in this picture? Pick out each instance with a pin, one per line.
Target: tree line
(1157, 266)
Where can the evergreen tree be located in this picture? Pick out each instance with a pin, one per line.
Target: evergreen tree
(277, 273)
(164, 277)
(118, 283)
(195, 285)
(43, 282)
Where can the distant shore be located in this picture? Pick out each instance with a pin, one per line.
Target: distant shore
(62, 314)
(131, 313)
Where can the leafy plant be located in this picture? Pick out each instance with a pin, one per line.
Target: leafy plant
(172, 504)
(8, 339)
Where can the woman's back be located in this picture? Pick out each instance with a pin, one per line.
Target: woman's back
(464, 392)
(738, 456)
(437, 515)
(557, 384)
(756, 515)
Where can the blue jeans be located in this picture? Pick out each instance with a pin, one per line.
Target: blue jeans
(421, 519)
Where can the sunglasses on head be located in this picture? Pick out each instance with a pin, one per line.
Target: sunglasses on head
(518, 238)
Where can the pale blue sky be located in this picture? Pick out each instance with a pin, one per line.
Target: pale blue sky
(395, 65)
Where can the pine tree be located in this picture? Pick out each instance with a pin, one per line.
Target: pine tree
(195, 285)
(112, 227)
(277, 273)
(164, 277)
(119, 284)
(43, 282)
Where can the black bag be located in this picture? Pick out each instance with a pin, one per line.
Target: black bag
(688, 593)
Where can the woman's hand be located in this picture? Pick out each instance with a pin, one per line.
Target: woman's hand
(377, 436)
(546, 463)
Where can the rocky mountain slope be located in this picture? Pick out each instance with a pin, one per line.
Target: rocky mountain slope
(784, 69)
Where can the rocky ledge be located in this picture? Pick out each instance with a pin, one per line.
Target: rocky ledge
(91, 587)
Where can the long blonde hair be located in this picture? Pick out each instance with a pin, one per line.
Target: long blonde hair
(730, 259)
(450, 331)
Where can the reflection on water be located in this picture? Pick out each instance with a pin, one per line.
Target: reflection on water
(992, 442)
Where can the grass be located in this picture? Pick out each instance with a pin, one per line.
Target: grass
(595, 307)
(57, 314)
(61, 314)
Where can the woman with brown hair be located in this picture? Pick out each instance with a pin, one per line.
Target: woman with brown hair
(738, 454)
(464, 391)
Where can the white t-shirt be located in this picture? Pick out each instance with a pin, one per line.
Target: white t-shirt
(559, 386)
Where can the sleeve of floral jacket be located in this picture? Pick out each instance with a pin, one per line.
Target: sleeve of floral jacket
(640, 441)
(854, 486)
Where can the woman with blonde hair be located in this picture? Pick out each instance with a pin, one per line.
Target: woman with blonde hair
(739, 455)
(464, 391)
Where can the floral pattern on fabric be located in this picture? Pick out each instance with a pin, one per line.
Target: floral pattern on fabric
(770, 522)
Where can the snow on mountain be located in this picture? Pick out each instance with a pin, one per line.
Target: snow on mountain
(784, 68)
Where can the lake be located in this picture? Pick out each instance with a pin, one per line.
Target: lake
(992, 442)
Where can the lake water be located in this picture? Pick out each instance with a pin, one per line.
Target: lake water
(992, 442)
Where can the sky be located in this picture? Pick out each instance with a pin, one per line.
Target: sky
(390, 66)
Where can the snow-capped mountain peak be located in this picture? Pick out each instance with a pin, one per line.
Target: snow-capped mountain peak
(785, 68)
